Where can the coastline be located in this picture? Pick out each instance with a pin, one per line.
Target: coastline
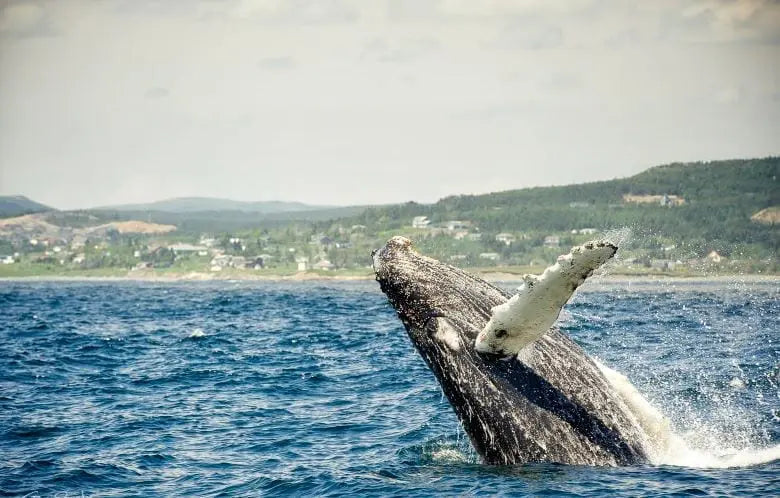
(310, 276)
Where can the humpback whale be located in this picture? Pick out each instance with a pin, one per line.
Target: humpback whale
(522, 389)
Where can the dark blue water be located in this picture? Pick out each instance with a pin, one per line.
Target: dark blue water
(313, 389)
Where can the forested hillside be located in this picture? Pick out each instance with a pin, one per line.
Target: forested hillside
(718, 199)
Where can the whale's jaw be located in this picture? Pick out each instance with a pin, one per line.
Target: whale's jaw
(550, 404)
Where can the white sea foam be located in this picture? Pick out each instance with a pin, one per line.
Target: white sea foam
(197, 333)
(448, 455)
(711, 449)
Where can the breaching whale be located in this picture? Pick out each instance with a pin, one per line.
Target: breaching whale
(522, 390)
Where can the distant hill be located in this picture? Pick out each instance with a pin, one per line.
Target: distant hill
(203, 204)
(713, 201)
(211, 221)
(17, 205)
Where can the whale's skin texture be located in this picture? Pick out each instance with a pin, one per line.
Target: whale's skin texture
(549, 403)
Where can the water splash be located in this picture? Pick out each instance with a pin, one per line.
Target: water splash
(699, 447)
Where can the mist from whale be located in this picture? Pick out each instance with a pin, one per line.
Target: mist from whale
(523, 395)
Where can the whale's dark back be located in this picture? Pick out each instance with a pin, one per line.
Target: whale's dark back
(550, 404)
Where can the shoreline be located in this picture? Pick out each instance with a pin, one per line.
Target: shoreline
(309, 277)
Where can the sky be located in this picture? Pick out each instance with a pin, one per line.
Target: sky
(365, 102)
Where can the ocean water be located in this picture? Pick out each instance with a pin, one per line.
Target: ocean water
(245, 388)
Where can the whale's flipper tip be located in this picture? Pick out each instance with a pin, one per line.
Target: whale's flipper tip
(585, 259)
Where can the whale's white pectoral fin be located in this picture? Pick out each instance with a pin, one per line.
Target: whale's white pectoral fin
(530, 313)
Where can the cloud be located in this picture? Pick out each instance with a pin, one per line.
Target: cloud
(399, 50)
(530, 36)
(625, 38)
(562, 81)
(25, 20)
(409, 10)
(720, 21)
(156, 93)
(730, 95)
(502, 8)
(276, 63)
(296, 11)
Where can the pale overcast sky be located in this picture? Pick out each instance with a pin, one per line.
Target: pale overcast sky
(355, 102)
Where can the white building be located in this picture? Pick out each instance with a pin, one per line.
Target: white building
(208, 241)
(420, 222)
(221, 261)
(453, 225)
(492, 256)
(506, 238)
(185, 248)
(323, 265)
(303, 263)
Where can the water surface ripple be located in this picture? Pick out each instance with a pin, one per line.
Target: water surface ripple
(240, 388)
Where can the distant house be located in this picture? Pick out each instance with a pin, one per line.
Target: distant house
(714, 257)
(323, 265)
(303, 263)
(662, 264)
(188, 248)
(492, 256)
(460, 234)
(474, 236)
(79, 258)
(420, 222)
(662, 200)
(358, 228)
(454, 225)
(672, 200)
(506, 238)
(7, 260)
(207, 241)
(220, 261)
(458, 257)
(238, 262)
(552, 241)
(584, 231)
